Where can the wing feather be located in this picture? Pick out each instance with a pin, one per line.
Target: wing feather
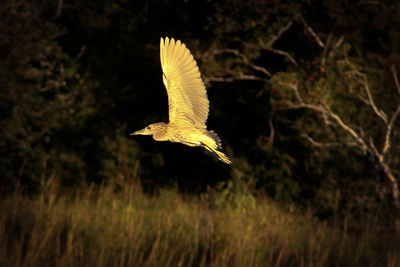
(187, 96)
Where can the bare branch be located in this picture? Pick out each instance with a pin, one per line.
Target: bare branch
(348, 129)
(338, 43)
(362, 99)
(386, 146)
(295, 90)
(59, 9)
(231, 51)
(396, 80)
(81, 52)
(271, 128)
(318, 144)
(245, 60)
(327, 121)
(250, 77)
(389, 174)
(297, 94)
(283, 53)
(207, 80)
(240, 77)
(261, 69)
(268, 140)
(311, 31)
(380, 113)
(304, 106)
(327, 144)
(279, 34)
(325, 51)
(389, 128)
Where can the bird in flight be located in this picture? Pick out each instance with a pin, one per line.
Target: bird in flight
(187, 101)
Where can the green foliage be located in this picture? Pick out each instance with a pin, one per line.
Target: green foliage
(45, 100)
(117, 163)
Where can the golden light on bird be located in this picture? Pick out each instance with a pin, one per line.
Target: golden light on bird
(187, 101)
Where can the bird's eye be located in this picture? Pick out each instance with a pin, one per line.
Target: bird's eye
(149, 127)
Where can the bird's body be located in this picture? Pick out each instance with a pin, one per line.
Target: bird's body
(187, 101)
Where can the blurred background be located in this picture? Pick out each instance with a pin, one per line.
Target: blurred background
(303, 95)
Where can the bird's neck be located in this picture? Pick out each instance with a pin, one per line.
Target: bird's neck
(162, 133)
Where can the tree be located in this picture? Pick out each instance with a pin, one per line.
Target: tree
(44, 100)
(337, 98)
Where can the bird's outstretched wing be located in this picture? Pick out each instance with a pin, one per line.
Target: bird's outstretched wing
(187, 96)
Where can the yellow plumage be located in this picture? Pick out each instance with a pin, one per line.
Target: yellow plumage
(187, 101)
(187, 96)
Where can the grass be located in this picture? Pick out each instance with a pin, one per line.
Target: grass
(120, 226)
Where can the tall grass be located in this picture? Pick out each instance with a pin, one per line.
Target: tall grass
(121, 226)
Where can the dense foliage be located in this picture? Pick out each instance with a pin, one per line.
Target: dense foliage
(78, 76)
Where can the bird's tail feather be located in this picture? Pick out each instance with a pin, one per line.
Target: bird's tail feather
(222, 157)
(212, 143)
(215, 137)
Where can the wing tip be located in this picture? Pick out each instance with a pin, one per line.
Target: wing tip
(166, 41)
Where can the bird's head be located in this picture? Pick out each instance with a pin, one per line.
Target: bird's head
(152, 129)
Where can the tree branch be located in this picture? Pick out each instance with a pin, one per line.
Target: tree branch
(81, 52)
(348, 129)
(311, 31)
(386, 169)
(324, 110)
(295, 89)
(271, 128)
(241, 77)
(389, 128)
(59, 9)
(380, 113)
(244, 60)
(283, 53)
(318, 144)
(396, 80)
(327, 144)
(277, 36)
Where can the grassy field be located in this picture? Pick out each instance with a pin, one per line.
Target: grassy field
(120, 226)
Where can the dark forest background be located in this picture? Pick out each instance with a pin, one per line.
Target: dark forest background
(304, 96)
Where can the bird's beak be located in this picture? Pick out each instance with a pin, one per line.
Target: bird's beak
(141, 132)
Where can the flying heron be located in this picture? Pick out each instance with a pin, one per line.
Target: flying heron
(187, 101)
